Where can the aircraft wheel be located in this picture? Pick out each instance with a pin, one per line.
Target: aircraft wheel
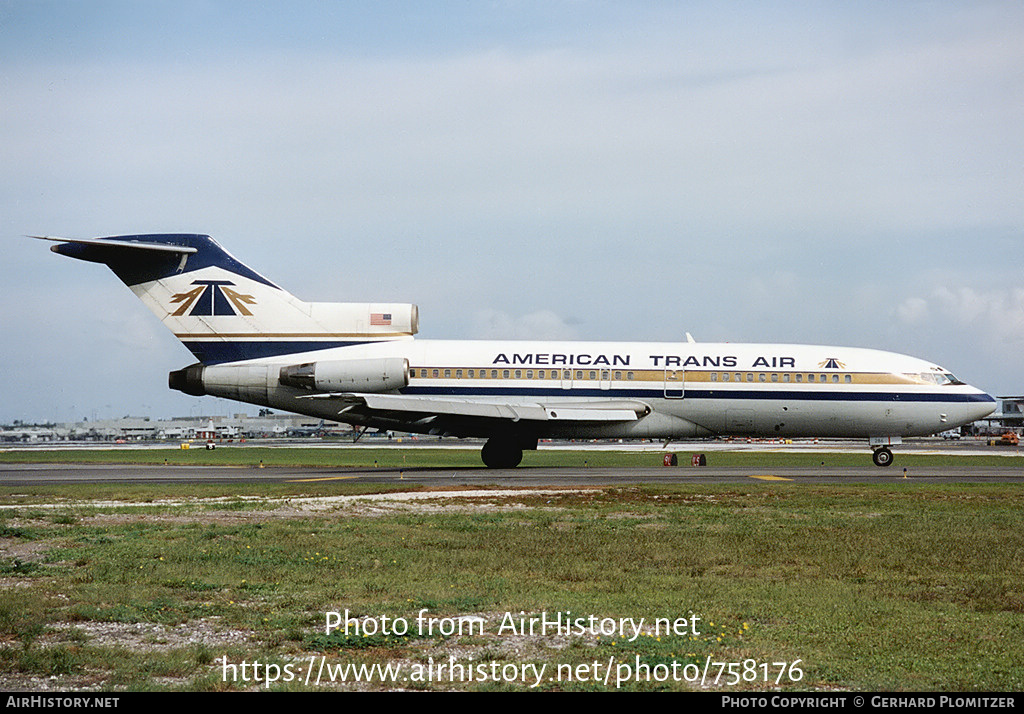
(501, 454)
(882, 457)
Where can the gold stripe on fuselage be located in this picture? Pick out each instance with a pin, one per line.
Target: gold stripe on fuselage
(716, 379)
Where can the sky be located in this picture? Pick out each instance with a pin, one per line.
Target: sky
(836, 173)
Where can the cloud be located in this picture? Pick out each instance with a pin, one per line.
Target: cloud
(997, 314)
(993, 317)
(913, 311)
(539, 325)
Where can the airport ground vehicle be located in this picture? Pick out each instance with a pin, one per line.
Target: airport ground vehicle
(1008, 438)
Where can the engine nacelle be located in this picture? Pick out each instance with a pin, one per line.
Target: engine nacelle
(253, 383)
(245, 382)
(355, 375)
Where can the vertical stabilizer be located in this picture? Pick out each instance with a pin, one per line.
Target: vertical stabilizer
(222, 310)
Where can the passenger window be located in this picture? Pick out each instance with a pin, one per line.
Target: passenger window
(618, 375)
(494, 374)
(519, 374)
(750, 377)
(799, 378)
(435, 373)
(629, 375)
(593, 374)
(775, 378)
(714, 377)
(447, 373)
(725, 376)
(785, 378)
(458, 374)
(504, 374)
(847, 379)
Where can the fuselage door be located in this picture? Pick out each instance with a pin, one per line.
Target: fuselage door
(674, 379)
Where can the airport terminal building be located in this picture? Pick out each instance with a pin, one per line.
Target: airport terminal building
(134, 429)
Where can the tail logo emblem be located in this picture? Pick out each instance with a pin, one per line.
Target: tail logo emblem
(213, 297)
(832, 363)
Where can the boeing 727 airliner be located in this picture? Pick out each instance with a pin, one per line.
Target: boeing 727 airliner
(358, 363)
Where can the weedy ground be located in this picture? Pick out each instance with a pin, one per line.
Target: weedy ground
(907, 587)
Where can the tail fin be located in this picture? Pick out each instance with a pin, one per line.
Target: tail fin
(223, 311)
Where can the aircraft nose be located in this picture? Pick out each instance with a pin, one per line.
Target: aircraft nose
(981, 406)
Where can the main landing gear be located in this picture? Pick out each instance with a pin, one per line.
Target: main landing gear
(501, 454)
(882, 456)
(505, 452)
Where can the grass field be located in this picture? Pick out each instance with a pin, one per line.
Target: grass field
(426, 457)
(908, 587)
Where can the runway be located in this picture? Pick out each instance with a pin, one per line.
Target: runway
(52, 474)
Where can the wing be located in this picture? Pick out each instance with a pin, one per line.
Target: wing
(452, 413)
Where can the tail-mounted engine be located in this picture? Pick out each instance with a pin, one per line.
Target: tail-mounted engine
(253, 383)
(369, 375)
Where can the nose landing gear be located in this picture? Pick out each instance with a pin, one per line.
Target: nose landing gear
(882, 456)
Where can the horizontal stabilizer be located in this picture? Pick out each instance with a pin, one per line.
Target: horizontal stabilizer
(100, 248)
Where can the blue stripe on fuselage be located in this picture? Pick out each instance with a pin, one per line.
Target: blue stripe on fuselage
(830, 395)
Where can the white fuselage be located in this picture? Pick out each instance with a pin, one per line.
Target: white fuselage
(692, 389)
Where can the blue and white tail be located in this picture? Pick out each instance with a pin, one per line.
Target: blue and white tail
(223, 311)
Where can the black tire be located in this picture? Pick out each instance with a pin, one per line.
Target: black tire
(501, 454)
(882, 457)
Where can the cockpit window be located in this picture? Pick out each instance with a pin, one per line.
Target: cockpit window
(938, 378)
